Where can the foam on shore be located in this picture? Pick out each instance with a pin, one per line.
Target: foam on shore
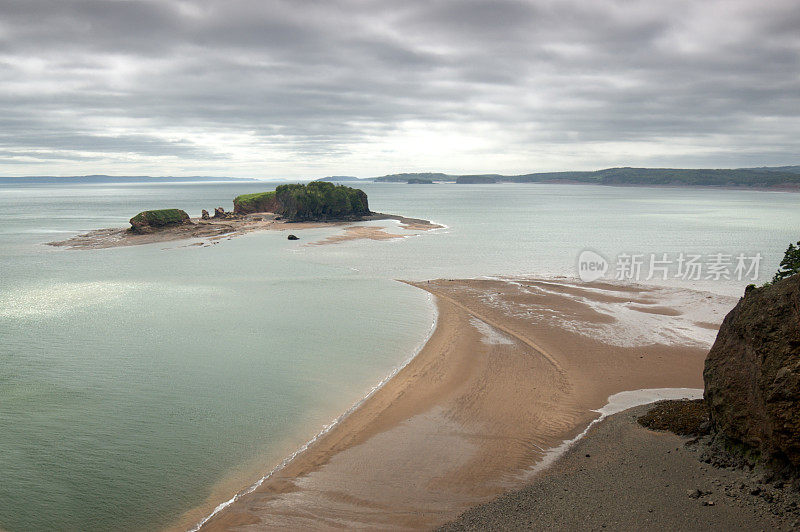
(617, 403)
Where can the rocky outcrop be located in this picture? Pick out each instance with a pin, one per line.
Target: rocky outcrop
(149, 221)
(258, 202)
(752, 373)
(220, 214)
(204, 215)
(315, 201)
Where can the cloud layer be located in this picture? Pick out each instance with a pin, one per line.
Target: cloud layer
(305, 88)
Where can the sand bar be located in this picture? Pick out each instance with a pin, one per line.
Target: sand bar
(514, 368)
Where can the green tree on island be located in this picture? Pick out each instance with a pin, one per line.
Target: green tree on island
(790, 264)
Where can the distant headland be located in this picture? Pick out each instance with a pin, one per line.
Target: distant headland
(769, 177)
(288, 206)
(763, 177)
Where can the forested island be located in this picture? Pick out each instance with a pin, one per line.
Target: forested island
(318, 200)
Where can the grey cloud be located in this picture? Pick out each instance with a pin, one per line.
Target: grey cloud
(318, 78)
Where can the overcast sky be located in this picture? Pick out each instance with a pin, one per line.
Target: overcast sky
(304, 88)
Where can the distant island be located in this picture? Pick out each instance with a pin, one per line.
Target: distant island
(292, 206)
(778, 177)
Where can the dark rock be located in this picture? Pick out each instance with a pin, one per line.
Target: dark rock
(292, 237)
(205, 215)
(752, 374)
(219, 212)
(683, 417)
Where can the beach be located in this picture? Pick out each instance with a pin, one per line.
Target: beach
(514, 368)
(622, 476)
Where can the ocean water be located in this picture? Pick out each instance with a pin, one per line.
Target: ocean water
(138, 383)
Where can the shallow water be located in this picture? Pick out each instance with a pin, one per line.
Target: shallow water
(137, 383)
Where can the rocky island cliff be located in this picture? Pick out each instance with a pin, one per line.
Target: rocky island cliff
(316, 201)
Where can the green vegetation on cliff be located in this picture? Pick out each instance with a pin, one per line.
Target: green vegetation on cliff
(790, 264)
(258, 202)
(320, 200)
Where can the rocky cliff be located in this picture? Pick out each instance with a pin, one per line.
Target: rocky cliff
(752, 373)
(258, 202)
(318, 200)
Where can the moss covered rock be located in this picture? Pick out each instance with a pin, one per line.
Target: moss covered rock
(147, 221)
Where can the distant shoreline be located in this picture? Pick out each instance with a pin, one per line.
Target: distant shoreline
(779, 178)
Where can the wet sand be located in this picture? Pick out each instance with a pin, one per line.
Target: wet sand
(358, 232)
(513, 368)
(622, 476)
(213, 230)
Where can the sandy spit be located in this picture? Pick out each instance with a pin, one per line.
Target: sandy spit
(514, 368)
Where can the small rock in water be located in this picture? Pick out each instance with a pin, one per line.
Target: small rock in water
(205, 215)
(292, 237)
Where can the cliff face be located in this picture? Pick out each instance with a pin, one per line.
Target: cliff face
(259, 202)
(752, 373)
(318, 200)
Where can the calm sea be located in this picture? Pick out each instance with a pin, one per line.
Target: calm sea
(137, 383)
